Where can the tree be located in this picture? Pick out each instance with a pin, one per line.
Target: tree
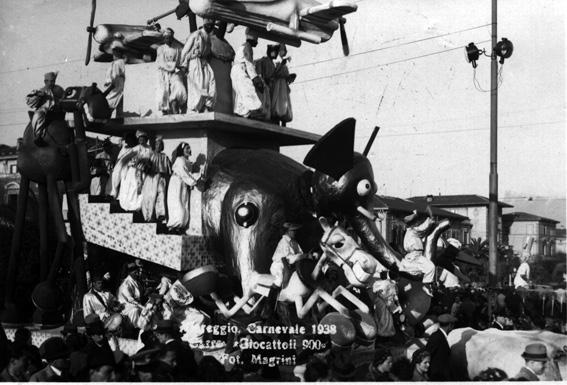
(478, 248)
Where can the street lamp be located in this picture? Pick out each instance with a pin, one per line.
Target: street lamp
(502, 49)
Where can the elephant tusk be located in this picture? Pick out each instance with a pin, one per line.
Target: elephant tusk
(366, 213)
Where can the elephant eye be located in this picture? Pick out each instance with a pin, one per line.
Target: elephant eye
(246, 214)
(338, 245)
(364, 187)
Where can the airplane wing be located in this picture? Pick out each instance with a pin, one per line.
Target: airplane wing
(138, 42)
(323, 13)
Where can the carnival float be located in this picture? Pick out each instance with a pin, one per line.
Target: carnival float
(218, 273)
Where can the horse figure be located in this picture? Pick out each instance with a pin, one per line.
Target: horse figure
(62, 159)
(339, 248)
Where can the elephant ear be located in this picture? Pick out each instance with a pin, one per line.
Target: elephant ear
(333, 153)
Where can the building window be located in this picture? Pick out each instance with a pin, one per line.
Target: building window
(13, 169)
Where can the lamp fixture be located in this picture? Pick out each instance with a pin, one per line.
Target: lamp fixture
(472, 54)
(504, 49)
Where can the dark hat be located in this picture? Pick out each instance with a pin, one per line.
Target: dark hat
(69, 328)
(445, 319)
(94, 325)
(346, 332)
(53, 348)
(167, 326)
(291, 226)
(535, 352)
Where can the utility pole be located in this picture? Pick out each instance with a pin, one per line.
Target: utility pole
(493, 181)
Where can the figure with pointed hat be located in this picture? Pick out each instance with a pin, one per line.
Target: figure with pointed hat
(266, 68)
(201, 86)
(247, 84)
(44, 101)
(115, 78)
(281, 112)
(172, 94)
(155, 185)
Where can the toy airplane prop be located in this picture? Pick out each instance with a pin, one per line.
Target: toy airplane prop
(286, 21)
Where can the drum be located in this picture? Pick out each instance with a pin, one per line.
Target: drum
(113, 322)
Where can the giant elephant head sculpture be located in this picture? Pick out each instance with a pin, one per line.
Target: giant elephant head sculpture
(251, 193)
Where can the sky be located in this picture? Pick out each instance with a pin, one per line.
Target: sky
(407, 73)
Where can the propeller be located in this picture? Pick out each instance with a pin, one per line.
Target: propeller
(90, 30)
(344, 39)
(183, 9)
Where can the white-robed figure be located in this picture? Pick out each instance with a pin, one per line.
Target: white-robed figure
(414, 261)
(201, 86)
(182, 181)
(130, 293)
(247, 85)
(171, 90)
(522, 278)
(115, 78)
(130, 194)
(287, 252)
(155, 185)
(121, 166)
(97, 301)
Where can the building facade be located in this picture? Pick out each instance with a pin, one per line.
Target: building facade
(474, 207)
(391, 212)
(518, 226)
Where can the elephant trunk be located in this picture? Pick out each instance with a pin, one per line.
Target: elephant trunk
(373, 241)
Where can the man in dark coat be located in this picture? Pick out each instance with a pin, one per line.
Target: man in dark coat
(438, 347)
(536, 359)
(55, 352)
(167, 333)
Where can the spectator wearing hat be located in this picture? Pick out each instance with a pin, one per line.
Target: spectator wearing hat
(56, 354)
(155, 186)
(130, 293)
(44, 101)
(536, 359)
(97, 346)
(201, 86)
(167, 332)
(172, 94)
(438, 347)
(247, 84)
(97, 301)
(115, 78)
(144, 365)
(130, 194)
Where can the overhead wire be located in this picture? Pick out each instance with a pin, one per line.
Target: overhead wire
(381, 65)
(390, 47)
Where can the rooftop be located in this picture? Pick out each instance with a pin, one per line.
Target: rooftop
(8, 152)
(457, 200)
(520, 216)
(212, 121)
(405, 206)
